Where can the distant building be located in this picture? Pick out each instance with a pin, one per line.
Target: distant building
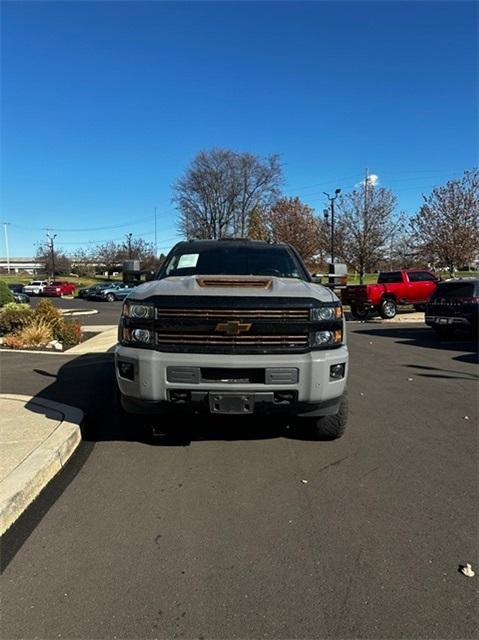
(21, 265)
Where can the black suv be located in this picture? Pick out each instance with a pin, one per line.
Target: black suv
(86, 292)
(454, 305)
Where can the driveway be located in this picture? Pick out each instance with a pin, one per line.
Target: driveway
(108, 312)
(246, 529)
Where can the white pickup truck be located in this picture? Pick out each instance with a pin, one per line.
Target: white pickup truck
(35, 287)
(235, 327)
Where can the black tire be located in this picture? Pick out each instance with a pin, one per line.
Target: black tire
(110, 297)
(329, 427)
(388, 308)
(359, 313)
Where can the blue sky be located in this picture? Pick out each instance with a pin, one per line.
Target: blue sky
(106, 103)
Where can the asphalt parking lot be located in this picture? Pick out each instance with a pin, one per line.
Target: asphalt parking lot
(108, 312)
(212, 532)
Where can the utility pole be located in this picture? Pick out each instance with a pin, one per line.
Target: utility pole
(5, 225)
(156, 242)
(366, 182)
(128, 241)
(50, 243)
(365, 219)
(331, 265)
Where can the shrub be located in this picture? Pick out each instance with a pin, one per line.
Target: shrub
(14, 317)
(48, 312)
(68, 333)
(36, 334)
(16, 306)
(6, 295)
(14, 341)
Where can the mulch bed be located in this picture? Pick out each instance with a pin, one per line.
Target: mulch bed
(86, 335)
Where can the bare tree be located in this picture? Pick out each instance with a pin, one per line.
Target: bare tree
(446, 228)
(259, 182)
(366, 222)
(57, 264)
(83, 262)
(108, 254)
(139, 249)
(221, 189)
(400, 252)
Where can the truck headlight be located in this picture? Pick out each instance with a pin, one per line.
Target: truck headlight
(138, 311)
(141, 335)
(138, 336)
(331, 312)
(326, 338)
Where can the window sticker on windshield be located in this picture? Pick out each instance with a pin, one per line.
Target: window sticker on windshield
(188, 260)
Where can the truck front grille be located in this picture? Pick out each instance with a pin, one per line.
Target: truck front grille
(232, 330)
(233, 324)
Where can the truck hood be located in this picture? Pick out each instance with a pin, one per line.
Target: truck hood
(237, 286)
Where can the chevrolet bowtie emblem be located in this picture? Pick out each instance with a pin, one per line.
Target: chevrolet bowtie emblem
(233, 327)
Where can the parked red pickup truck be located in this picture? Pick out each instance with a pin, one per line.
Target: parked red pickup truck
(409, 286)
(59, 288)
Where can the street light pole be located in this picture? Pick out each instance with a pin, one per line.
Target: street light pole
(51, 239)
(331, 200)
(5, 224)
(128, 240)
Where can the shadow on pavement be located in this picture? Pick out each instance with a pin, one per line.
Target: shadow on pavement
(88, 382)
(13, 539)
(437, 372)
(469, 358)
(425, 337)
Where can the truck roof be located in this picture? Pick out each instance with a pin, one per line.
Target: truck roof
(407, 270)
(234, 242)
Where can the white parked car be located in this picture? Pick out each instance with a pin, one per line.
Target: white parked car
(35, 287)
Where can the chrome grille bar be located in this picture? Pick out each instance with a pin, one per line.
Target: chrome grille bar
(256, 340)
(257, 314)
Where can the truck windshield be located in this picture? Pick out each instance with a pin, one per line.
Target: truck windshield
(455, 290)
(237, 260)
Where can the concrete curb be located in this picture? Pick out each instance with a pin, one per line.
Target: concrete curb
(101, 343)
(417, 317)
(79, 312)
(34, 352)
(20, 488)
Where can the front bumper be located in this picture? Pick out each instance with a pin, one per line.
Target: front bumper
(312, 388)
